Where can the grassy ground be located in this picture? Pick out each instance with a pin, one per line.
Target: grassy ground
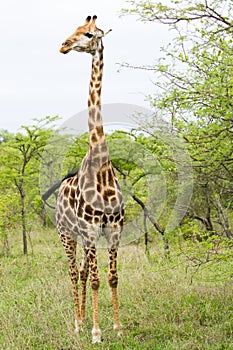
(160, 309)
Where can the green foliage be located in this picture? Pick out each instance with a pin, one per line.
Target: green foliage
(19, 180)
(9, 216)
(194, 89)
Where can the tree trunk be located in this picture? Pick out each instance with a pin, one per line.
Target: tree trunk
(223, 218)
(206, 221)
(23, 220)
(145, 234)
(154, 223)
(20, 186)
(43, 215)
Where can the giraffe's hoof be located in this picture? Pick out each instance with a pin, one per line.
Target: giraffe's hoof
(96, 335)
(118, 329)
(78, 326)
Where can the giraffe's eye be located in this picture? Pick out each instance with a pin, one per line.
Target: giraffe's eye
(66, 43)
(89, 35)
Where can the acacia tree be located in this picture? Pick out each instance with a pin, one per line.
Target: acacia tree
(21, 155)
(9, 204)
(194, 86)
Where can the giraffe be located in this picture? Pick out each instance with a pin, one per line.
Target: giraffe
(90, 203)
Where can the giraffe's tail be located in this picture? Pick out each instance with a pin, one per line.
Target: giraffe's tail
(53, 188)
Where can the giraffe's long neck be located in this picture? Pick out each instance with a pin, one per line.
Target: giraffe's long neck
(95, 86)
(97, 145)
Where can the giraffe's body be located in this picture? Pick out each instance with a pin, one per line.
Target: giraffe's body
(90, 203)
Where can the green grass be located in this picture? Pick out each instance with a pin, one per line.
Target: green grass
(159, 307)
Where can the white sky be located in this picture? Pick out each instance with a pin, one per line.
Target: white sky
(37, 80)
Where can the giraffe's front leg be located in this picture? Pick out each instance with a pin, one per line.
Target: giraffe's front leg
(95, 282)
(113, 282)
(84, 269)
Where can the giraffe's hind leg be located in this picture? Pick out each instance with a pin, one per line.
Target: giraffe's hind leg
(70, 249)
(94, 282)
(113, 282)
(84, 269)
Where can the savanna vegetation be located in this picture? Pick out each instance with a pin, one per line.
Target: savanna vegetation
(176, 172)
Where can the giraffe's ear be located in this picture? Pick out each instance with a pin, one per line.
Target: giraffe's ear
(99, 33)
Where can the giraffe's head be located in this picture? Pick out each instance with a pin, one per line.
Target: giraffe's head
(85, 38)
